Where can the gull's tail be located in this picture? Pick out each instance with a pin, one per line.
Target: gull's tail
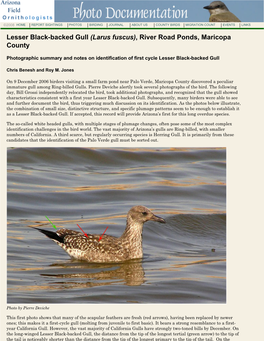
(51, 235)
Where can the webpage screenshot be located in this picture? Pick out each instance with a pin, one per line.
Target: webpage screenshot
(131, 170)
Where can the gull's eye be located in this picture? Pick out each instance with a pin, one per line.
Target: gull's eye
(144, 213)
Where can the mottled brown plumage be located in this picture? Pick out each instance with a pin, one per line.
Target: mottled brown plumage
(108, 249)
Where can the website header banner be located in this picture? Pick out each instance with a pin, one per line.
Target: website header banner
(128, 11)
(151, 11)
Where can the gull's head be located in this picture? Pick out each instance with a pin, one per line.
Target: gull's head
(141, 214)
(216, 7)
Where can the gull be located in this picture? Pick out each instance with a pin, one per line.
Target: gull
(92, 248)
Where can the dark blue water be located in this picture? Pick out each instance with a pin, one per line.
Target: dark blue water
(184, 259)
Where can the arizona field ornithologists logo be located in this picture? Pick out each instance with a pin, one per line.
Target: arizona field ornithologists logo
(27, 11)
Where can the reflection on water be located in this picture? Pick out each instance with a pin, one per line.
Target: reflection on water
(184, 259)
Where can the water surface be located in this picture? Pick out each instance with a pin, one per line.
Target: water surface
(184, 259)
